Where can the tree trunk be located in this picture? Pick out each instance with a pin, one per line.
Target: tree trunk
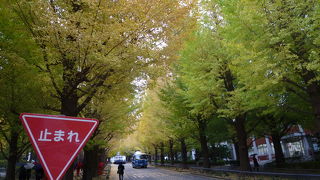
(69, 103)
(176, 157)
(69, 98)
(184, 153)
(91, 160)
(155, 154)
(204, 144)
(197, 155)
(13, 155)
(213, 155)
(313, 91)
(312, 85)
(278, 150)
(162, 153)
(149, 157)
(239, 126)
(242, 142)
(171, 151)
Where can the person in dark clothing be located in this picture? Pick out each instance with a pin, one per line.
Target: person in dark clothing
(28, 174)
(120, 171)
(28, 168)
(255, 163)
(100, 168)
(79, 167)
(39, 171)
(22, 173)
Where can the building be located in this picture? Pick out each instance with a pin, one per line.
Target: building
(298, 143)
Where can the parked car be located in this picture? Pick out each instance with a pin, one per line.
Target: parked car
(2, 173)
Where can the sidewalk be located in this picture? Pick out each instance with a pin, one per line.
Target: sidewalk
(113, 173)
(225, 170)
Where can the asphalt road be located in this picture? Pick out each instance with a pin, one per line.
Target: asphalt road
(152, 173)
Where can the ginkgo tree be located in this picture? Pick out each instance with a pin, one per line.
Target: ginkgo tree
(178, 116)
(22, 87)
(279, 42)
(152, 127)
(212, 88)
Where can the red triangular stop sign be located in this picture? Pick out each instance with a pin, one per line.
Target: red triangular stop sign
(57, 140)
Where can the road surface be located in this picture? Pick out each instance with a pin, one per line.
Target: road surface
(152, 173)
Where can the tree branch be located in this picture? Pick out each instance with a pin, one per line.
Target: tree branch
(22, 150)
(40, 68)
(41, 45)
(94, 88)
(305, 98)
(298, 110)
(48, 107)
(287, 126)
(5, 136)
(23, 17)
(2, 151)
(91, 33)
(55, 96)
(285, 79)
(211, 96)
(254, 126)
(109, 136)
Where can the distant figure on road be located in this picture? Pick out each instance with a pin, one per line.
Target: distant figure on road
(120, 171)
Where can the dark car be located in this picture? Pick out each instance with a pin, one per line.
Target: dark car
(140, 160)
(141, 163)
(119, 161)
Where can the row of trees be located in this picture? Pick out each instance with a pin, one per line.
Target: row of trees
(81, 58)
(250, 68)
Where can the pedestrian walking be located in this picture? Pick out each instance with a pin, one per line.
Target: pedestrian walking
(39, 171)
(22, 173)
(120, 171)
(28, 168)
(79, 167)
(100, 168)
